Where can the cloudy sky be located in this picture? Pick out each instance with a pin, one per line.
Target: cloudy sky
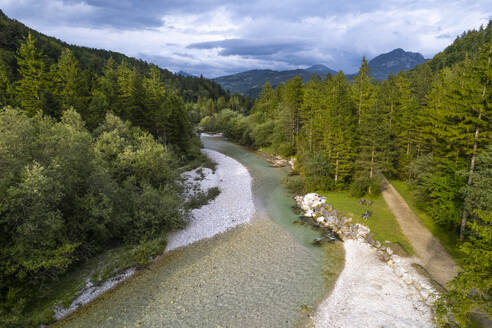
(219, 37)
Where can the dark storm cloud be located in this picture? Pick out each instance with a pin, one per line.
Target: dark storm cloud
(148, 13)
(242, 47)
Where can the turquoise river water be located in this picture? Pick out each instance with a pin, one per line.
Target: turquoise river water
(263, 274)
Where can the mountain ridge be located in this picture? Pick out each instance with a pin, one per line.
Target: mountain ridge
(250, 82)
(394, 61)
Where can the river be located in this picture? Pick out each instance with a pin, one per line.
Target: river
(263, 274)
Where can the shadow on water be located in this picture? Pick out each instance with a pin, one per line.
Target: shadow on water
(263, 274)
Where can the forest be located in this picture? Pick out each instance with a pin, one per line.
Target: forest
(430, 126)
(91, 147)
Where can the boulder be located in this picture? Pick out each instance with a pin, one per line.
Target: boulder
(311, 201)
(323, 211)
(345, 220)
(399, 271)
(424, 293)
(386, 257)
(362, 230)
(309, 213)
(407, 279)
(292, 163)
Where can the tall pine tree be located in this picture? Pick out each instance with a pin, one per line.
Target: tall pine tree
(35, 86)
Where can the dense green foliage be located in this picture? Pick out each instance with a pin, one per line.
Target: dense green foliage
(471, 290)
(66, 194)
(467, 44)
(433, 129)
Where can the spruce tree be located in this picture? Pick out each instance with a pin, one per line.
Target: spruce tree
(155, 98)
(292, 101)
(339, 138)
(70, 83)
(363, 89)
(374, 143)
(130, 94)
(107, 84)
(476, 110)
(264, 105)
(33, 88)
(5, 86)
(406, 124)
(312, 107)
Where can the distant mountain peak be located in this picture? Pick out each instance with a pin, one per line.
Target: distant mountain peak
(319, 68)
(393, 62)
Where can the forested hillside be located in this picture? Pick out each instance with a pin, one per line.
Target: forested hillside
(250, 82)
(430, 126)
(12, 33)
(91, 146)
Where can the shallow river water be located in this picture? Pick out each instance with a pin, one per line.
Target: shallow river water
(262, 274)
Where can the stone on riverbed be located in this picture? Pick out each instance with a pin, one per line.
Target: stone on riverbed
(310, 201)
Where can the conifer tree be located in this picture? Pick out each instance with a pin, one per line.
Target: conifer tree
(477, 108)
(5, 86)
(362, 90)
(292, 101)
(70, 83)
(263, 108)
(130, 94)
(108, 85)
(155, 97)
(390, 94)
(339, 128)
(313, 106)
(406, 127)
(458, 113)
(374, 140)
(34, 86)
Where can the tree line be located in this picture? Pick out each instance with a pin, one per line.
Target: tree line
(13, 33)
(430, 126)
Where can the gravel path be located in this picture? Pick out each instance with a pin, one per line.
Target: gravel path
(369, 294)
(432, 254)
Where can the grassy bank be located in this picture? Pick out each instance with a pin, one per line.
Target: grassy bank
(382, 223)
(448, 239)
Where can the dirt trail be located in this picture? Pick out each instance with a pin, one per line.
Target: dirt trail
(434, 257)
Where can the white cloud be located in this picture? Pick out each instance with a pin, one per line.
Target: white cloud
(323, 34)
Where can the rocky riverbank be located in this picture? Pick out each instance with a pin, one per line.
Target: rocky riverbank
(233, 206)
(376, 287)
